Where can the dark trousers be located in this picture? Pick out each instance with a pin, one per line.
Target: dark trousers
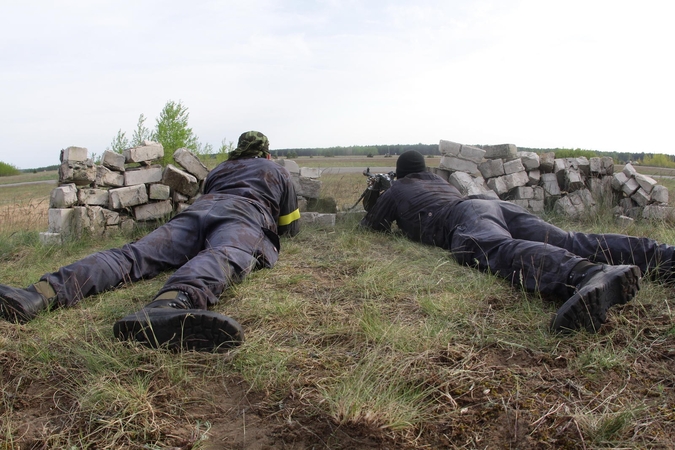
(215, 242)
(507, 240)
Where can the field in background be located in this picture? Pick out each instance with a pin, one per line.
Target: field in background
(354, 340)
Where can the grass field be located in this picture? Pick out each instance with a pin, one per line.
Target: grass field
(355, 340)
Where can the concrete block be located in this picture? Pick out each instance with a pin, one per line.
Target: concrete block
(506, 152)
(522, 193)
(127, 225)
(618, 180)
(530, 160)
(445, 174)
(468, 185)
(538, 193)
(534, 176)
(630, 186)
(595, 165)
(113, 160)
(146, 175)
(80, 173)
(315, 218)
(153, 211)
(129, 196)
(601, 188)
(80, 222)
(581, 164)
(660, 194)
(550, 184)
(309, 188)
(159, 191)
(107, 177)
(473, 154)
(449, 148)
(96, 220)
(513, 166)
(112, 218)
(629, 170)
(546, 162)
(492, 168)
(454, 163)
(559, 164)
(74, 154)
(575, 204)
(498, 185)
(63, 196)
(645, 182)
(573, 180)
(93, 197)
(536, 206)
(180, 181)
(149, 151)
(514, 180)
(607, 165)
(59, 220)
(188, 161)
(641, 197)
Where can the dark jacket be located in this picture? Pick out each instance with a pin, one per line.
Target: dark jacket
(419, 203)
(262, 181)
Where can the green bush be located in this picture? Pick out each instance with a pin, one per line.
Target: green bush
(8, 169)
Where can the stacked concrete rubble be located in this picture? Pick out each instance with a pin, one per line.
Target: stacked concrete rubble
(122, 190)
(130, 187)
(308, 187)
(570, 186)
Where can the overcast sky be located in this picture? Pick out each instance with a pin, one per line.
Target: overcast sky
(576, 73)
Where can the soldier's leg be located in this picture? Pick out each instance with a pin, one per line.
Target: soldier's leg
(235, 245)
(615, 249)
(169, 246)
(481, 239)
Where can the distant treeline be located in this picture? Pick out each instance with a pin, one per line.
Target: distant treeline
(432, 149)
(41, 169)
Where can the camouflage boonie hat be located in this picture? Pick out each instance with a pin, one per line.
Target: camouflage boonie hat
(252, 144)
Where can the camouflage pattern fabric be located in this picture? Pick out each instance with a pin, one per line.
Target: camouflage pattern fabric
(252, 144)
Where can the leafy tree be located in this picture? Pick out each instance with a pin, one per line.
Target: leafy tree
(141, 133)
(225, 146)
(172, 130)
(8, 169)
(658, 160)
(119, 142)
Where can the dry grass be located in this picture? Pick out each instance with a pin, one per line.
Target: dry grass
(354, 340)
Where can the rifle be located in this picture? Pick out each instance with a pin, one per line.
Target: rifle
(376, 182)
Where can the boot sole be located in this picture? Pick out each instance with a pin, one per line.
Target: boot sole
(614, 285)
(191, 329)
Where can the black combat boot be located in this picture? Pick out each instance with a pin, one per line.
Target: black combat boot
(597, 287)
(171, 321)
(23, 305)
